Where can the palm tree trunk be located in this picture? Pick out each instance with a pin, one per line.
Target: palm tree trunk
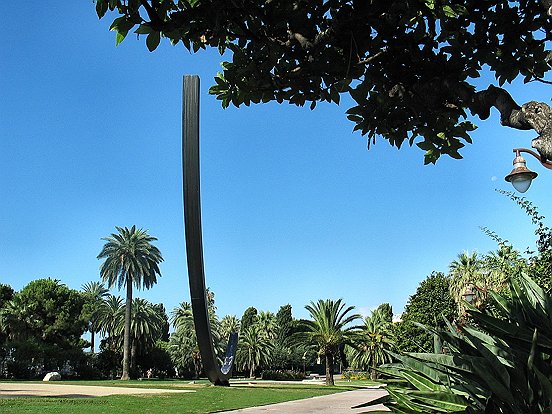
(252, 371)
(126, 337)
(133, 359)
(92, 334)
(329, 369)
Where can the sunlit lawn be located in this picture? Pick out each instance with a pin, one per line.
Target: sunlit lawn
(205, 399)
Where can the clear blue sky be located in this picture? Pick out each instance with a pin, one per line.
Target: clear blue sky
(295, 208)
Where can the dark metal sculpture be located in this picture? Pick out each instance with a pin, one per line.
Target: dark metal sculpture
(218, 375)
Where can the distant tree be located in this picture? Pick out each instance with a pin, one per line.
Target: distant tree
(539, 265)
(412, 68)
(182, 316)
(130, 259)
(466, 271)
(385, 311)
(266, 322)
(146, 328)
(165, 326)
(330, 329)
(249, 317)
(6, 294)
(110, 313)
(254, 349)
(284, 323)
(429, 305)
(229, 324)
(44, 324)
(184, 352)
(94, 293)
(373, 341)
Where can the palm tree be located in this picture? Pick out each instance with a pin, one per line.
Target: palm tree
(466, 272)
(229, 324)
(329, 330)
(254, 349)
(94, 292)
(130, 259)
(266, 321)
(182, 316)
(372, 342)
(110, 313)
(145, 328)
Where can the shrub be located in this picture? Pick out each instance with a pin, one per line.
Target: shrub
(282, 375)
(500, 363)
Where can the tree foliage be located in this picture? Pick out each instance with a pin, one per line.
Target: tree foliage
(428, 306)
(44, 324)
(330, 329)
(498, 363)
(373, 341)
(540, 262)
(410, 67)
(130, 260)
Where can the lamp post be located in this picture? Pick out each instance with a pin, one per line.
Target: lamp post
(521, 176)
(468, 295)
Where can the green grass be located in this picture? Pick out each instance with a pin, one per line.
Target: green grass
(205, 399)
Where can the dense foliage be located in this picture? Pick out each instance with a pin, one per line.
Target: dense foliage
(42, 326)
(429, 305)
(499, 363)
(410, 67)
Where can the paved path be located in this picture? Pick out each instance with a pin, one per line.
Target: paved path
(339, 403)
(44, 389)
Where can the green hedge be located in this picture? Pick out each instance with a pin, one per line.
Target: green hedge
(282, 375)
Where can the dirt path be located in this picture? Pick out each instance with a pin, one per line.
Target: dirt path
(41, 389)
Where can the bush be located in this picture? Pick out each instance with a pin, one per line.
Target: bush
(500, 362)
(351, 375)
(282, 375)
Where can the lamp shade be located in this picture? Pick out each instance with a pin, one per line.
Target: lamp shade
(521, 176)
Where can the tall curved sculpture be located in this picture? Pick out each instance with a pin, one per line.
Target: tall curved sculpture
(218, 375)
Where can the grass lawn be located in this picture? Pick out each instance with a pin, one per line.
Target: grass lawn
(205, 399)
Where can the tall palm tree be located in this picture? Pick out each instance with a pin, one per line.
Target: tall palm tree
(94, 292)
(254, 349)
(130, 259)
(329, 330)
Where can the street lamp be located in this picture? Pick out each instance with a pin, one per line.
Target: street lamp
(521, 176)
(468, 295)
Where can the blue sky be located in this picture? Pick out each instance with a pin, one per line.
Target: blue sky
(295, 208)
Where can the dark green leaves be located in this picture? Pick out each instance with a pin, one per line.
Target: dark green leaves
(501, 364)
(408, 66)
(152, 41)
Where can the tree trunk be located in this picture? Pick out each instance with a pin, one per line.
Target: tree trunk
(126, 337)
(373, 373)
(252, 371)
(132, 371)
(329, 369)
(92, 334)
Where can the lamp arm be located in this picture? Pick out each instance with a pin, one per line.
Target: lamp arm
(544, 163)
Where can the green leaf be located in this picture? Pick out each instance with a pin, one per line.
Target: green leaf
(101, 8)
(449, 11)
(420, 382)
(446, 400)
(152, 41)
(143, 29)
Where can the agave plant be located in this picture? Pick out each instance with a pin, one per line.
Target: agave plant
(501, 362)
